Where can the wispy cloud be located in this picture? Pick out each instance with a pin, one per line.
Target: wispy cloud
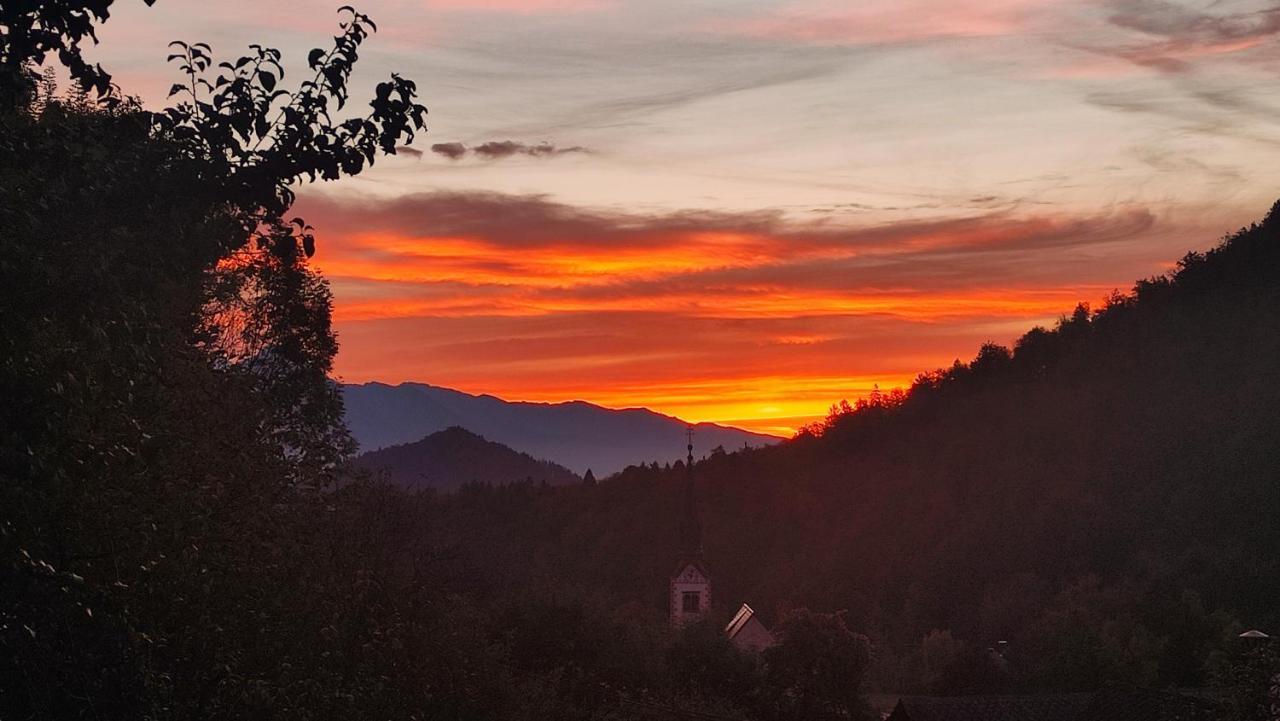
(517, 7)
(876, 22)
(1174, 36)
(501, 149)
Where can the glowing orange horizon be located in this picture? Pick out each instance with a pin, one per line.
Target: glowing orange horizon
(750, 321)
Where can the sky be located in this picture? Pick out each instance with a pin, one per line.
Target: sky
(744, 211)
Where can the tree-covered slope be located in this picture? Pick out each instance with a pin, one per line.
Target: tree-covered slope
(575, 434)
(1104, 496)
(448, 459)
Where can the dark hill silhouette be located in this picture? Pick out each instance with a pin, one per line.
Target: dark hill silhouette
(1104, 496)
(576, 434)
(445, 460)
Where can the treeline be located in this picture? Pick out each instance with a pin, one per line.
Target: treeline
(178, 536)
(175, 541)
(1097, 504)
(446, 460)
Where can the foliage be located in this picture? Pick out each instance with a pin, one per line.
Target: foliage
(1251, 673)
(36, 28)
(1100, 497)
(816, 669)
(168, 419)
(172, 543)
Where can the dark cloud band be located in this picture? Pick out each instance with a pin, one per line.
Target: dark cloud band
(501, 149)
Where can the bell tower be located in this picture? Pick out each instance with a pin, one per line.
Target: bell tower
(690, 586)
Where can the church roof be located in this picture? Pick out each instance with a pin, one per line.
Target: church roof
(695, 562)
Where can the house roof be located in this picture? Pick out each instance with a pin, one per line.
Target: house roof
(740, 619)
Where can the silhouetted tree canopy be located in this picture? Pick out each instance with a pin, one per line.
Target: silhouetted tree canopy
(1101, 497)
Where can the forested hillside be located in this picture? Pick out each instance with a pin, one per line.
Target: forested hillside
(180, 536)
(1104, 497)
(446, 460)
(575, 434)
(174, 539)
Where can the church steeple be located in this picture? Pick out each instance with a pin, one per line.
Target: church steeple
(690, 526)
(690, 587)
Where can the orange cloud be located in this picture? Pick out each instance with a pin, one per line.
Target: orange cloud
(751, 318)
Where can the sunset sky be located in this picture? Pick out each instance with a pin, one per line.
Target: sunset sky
(743, 211)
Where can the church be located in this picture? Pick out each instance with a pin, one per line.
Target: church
(689, 589)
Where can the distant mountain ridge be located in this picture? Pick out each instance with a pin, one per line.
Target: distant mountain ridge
(575, 434)
(449, 459)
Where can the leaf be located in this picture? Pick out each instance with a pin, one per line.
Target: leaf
(175, 89)
(267, 80)
(315, 57)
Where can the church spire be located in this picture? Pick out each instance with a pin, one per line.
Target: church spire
(690, 589)
(690, 527)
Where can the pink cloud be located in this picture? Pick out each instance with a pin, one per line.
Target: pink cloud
(876, 23)
(520, 7)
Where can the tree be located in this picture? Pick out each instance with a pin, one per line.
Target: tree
(36, 28)
(1250, 673)
(816, 669)
(164, 351)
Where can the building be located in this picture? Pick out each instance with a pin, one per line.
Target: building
(747, 632)
(689, 588)
(690, 583)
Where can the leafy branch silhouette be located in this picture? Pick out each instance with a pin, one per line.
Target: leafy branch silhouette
(261, 139)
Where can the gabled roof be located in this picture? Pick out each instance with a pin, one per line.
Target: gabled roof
(740, 619)
(695, 562)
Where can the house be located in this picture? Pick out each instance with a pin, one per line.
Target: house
(747, 632)
(689, 587)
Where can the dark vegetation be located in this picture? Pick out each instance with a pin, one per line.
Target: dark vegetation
(449, 459)
(174, 542)
(1103, 498)
(173, 539)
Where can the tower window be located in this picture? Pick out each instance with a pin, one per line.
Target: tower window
(692, 602)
